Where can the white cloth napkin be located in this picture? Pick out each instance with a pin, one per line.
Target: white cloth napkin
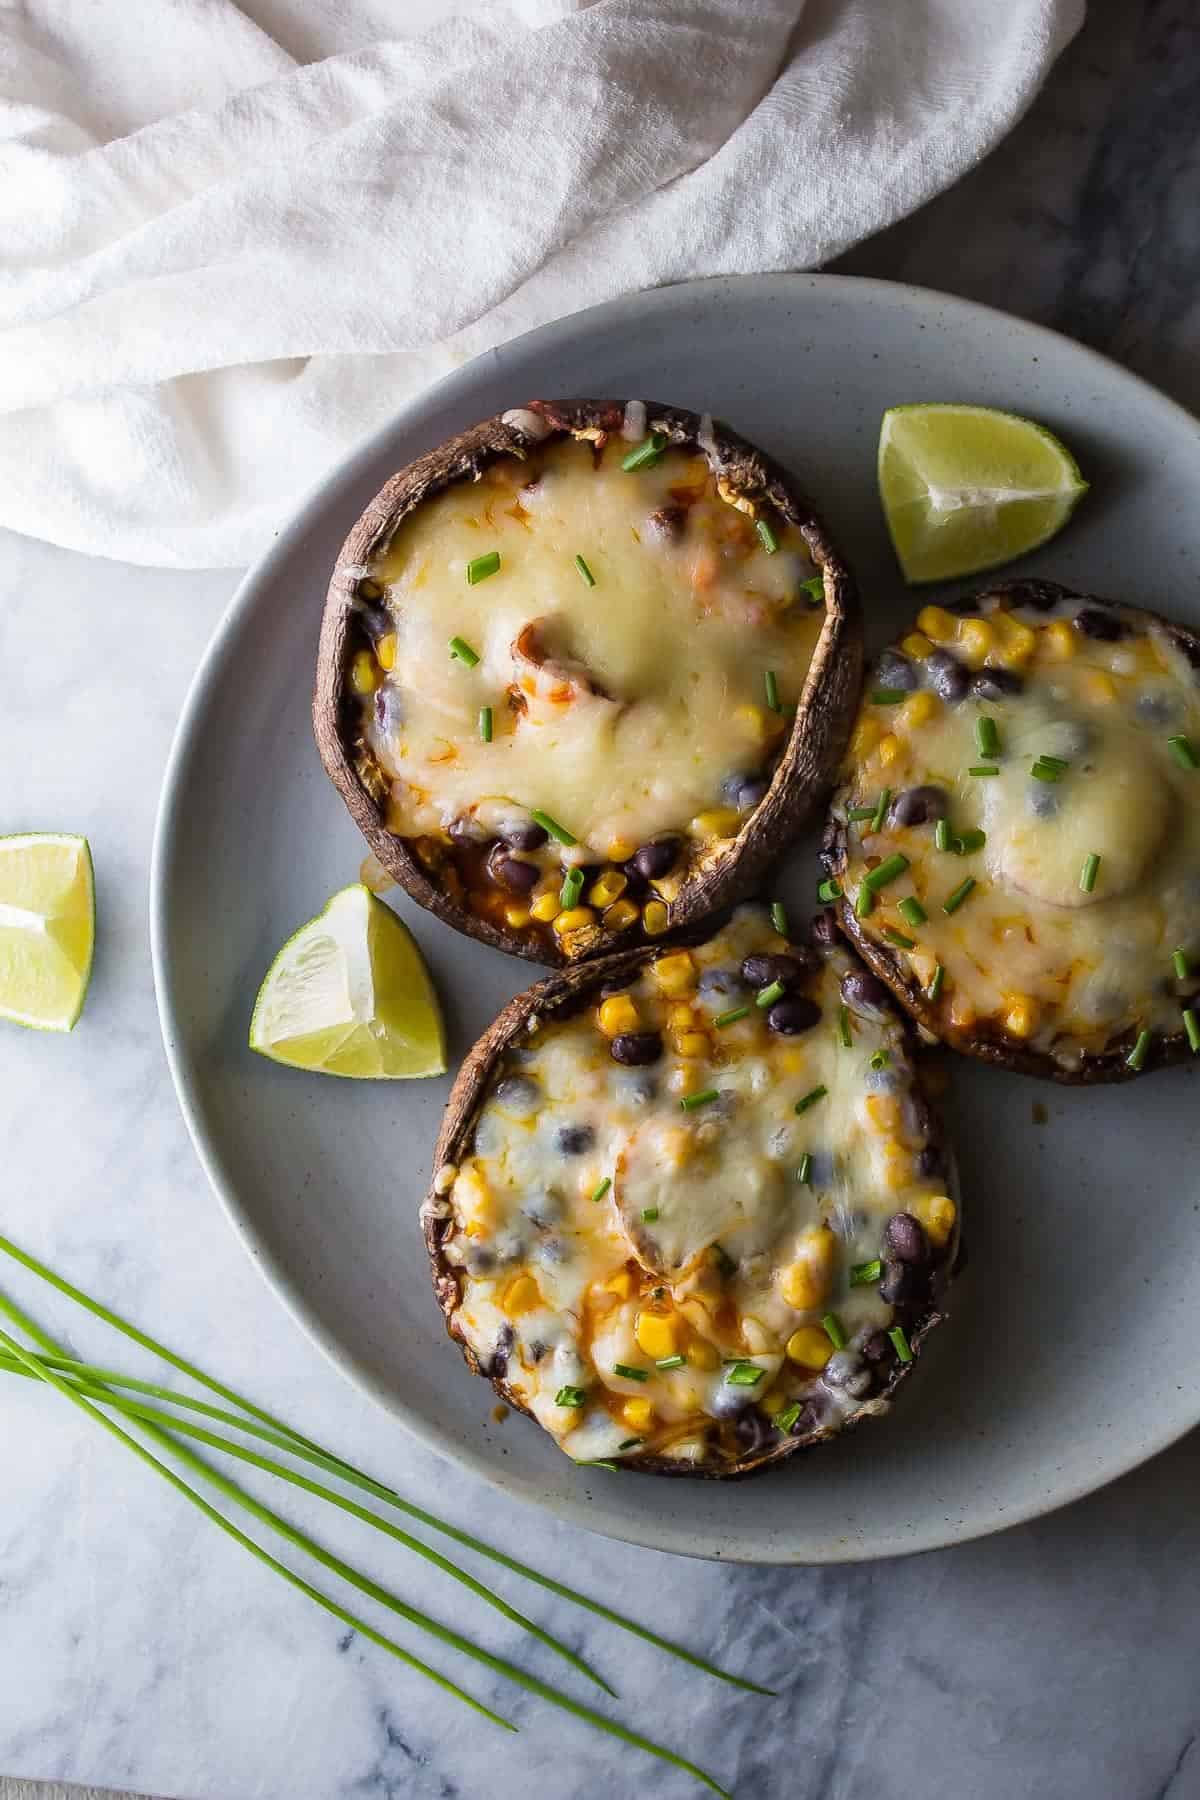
(234, 238)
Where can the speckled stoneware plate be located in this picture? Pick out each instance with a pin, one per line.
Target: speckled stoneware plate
(1073, 1350)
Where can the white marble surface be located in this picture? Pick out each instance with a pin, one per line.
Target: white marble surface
(138, 1648)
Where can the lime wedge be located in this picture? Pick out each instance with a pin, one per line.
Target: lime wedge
(47, 929)
(349, 995)
(965, 488)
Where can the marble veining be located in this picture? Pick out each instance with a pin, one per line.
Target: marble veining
(139, 1649)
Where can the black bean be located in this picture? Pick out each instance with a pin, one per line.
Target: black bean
(574, 1140)
(847, 1371)
(668, 523)
(995, 684)
(1094, 622)
(864, 992)
(790, 968)
(745, 791)
(518, 877)
(895, 671)
(947, 677)
(636, 885)
(824, 929)
(916, 806)
(498, 1364)
(904, 1239)
(877, 1347)
(902, 1283)
(792, 1015)
(812, 1415)
(656, 859)
(1038, 596)
(634, 1048)
(523, 834)
(519, 1094)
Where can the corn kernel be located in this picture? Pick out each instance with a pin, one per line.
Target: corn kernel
(897, 1166)
(667, 886)
(675, 973)
(692, 1044)
(617, 1014)
(545, 908)
(962, 1013)
(937, 624)
(656, 1335)
(385, 650)
(364, 673)
(937, 1213)
(867, 734)
(755, 722)
(574, 919)
(975, 639)
(679, 1016)
(1015, 644)
(719, 821)
(1021, 1019)
(620, 915)
(1059, 640)
(654, 918)
(1098, 687)
(889, 748)
(810, 1347)
(884, 1111)
(620, 850)
(609, 887)
(516, 917)
(916, 645)
(620, 1284)
(917, 710)
(521, 1295)
(638, 1414)
(703, 1355)
(775, 1399)
(805, 1282)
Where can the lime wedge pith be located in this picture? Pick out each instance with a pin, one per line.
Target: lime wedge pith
(349, 995)
(47, 928)
(966, 488)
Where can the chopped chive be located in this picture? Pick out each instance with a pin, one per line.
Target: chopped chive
(860, 812)
(769, 995)
(649, 1215)
(703, 1098)
(779, 918)
(766, 536)
(804, 1172)
(571, 1396)
(1180, 963)
(814, 587)
(828, 891)
(864, 901)
(880, 1059)
(601, 1188)
(1053, 762)
(731, 1017)
(811, 1098)
(911, 909)
(480, 567)
(1049, 768)
(744, 1374)
(898, 938)
(967, 842)
(594, 1462)
(863, 1274)
(888, 696)
(887, 870)
(771, 689)
(1182, 750)
(628, 1373)
(646, 454)
(557, 831)
(881, 806)
(982, 770)
(900, 1343)
(630, 1444)
(1192, 1026)
(941, 835)
(1088, 873)
(831, 1325)
(783, 1421)
(1137, 1055)
(571, 888)
(460, 648)
(935, 982)
(960, 893)
(844, 1038)
(677, 1361)
(581, 565)
(987, 737)
(485, 724)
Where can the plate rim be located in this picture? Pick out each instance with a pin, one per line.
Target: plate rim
(641, 1527)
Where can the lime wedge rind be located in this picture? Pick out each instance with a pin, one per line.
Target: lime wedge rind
(47, 929)
(966, 488)
(349, 995)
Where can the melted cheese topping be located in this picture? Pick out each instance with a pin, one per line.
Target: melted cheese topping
(1035, 954)
(620, 709)
(652, 1279)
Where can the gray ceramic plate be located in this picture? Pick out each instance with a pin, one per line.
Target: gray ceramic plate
(1072, 1352)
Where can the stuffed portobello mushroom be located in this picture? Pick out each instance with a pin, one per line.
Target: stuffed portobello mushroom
(583, 670)
(692, 1209)
(1017, 838)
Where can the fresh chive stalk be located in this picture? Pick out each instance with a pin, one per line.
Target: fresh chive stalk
(982, 770)
(460, 648)
(936, 980)
(886, 696)
(1137, 1056)
(804, 1172)
(1049, 768)
(558, 832)
(910, 908)
(744, 1374)
(811, 1098)
(1183, 750)
(864, 901)
(1192, 1026)
(779, 918)
(1180, 964)
(649, 1215)
(485, 724)
(771, 690)
(783, 1421)
(692, 1102)
(880, 1059)
(898, 939)
(601, 1188)
(769, 995)
(766, 536)
(629, 1373)
(647, 453)
(678, 1361)
(967, 842)
(887, 871)
(863, 1274)
(828, 891)
(900, 1343)
(731, 1017)
(574, 1397)
(844, 1038)
(832, 1327)
(987, 737)
(586, 573)
(962, 892)
(571, 889)
(814, 588)
(1089, 871)
(480, 567)
(881, 806)
(856, 813)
